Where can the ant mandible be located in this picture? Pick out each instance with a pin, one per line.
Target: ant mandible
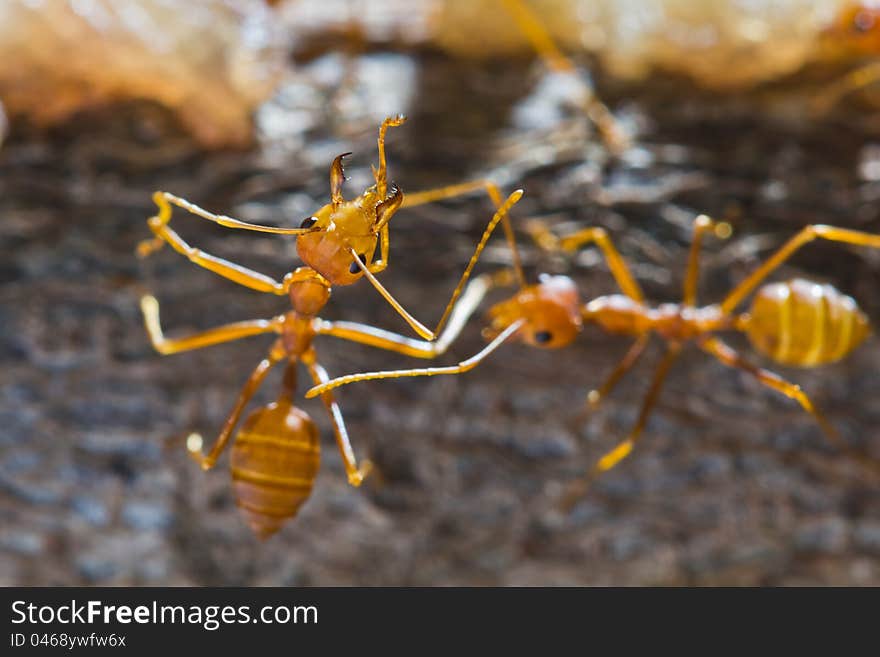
(275, 455)
(795, 323)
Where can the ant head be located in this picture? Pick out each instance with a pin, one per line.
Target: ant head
(857, 28)
(551, 310)
(344, 230)
(309, 292)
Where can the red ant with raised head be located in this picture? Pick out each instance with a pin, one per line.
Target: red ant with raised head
(275, 455)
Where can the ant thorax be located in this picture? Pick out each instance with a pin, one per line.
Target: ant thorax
(622, 315)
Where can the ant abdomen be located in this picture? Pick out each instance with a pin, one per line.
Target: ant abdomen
(804, 324)
(274, 462)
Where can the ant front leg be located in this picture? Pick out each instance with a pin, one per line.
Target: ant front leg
(218, 335)
(381, 174)
(381, 339)
(194, 442)
(159, 224)
(355, 473)
(807, 235)
(545, 239)
(491, 189)
(464, 366)
(417, 326)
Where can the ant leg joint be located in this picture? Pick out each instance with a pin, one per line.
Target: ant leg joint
(356, 477)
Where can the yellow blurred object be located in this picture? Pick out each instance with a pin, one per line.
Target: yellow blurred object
(212, 62)
(721, 44)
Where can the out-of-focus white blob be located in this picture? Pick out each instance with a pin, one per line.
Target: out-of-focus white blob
(3, 124)
(400, 21)
(719, 43)
(211, 61)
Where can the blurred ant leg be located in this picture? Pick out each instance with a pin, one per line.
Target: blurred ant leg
(381, 173)
(218, 335)
(595, 397)
(194, 442)
(853, 81)
(381, 339)
(491, 189)
(164, 200)
(545, 239)
(731, 358)
(354, 473)
(530, 25)
(417, 326)
(235, 273)
(625, 447)
(808, 234)
(463, 366)
(579, 487)
(701, 225)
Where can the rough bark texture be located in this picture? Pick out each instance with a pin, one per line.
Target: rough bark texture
(731, 484)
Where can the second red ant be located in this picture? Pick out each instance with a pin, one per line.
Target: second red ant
(795, 323)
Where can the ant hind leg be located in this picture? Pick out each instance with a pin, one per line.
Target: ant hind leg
(355, 473)
(194, 442)
(805, 236)
(715, 347)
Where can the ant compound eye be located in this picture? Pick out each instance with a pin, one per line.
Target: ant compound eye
(354, 269)
(543, 337)
(308, 223)
(863, 22)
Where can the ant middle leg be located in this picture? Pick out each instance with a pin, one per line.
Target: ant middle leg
(625, 447)
(717, 348)
(355, 473)
(548, 241)
(578, 488)
(194, 442)
(165, 200)
(217, 335)
(805, 236)
(701, 224)
(229, 270)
